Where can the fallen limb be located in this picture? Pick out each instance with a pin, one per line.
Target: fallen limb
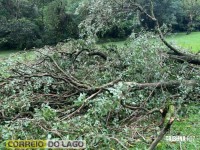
(148, 112)
(189, 59)
(186, 57)
(100, 54)
(169, 84)
(91, 53)
(169, 119)
(79, 109)
(103, 87)
(161, 135)
(2, 84)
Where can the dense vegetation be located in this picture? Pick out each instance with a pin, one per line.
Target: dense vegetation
(114, 97)
(52, 21)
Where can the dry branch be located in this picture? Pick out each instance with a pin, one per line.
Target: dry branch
(90, 53)
(169, 84)
(169, 119)
(79, 109)
(188, 59)
(161, 135)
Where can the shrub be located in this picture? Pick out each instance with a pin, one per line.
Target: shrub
(21, 33)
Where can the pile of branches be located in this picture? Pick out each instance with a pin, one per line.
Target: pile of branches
(55, 77)
(174, 52)
(58, 77)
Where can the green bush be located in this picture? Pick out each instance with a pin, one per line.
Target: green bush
(19, 34)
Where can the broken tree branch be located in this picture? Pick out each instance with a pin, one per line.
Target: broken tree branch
(193, 59)
(169, 119)
(169, 84)
(79, 109)
(161, 135)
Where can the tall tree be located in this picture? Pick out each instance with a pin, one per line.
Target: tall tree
(192, 13)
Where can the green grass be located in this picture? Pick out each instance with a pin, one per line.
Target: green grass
(190, 42)
(7, 53)
(185, 126)
(119, 44)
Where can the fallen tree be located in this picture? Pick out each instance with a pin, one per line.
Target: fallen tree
(110, 97)
(177, 54)
(85, 86)
(167, 85)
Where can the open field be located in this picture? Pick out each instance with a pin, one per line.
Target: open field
(190, 42)
(6, 53)
(188, 126)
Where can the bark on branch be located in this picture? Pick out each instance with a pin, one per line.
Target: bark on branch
(169, 84)
(161, 135)
(169, 119)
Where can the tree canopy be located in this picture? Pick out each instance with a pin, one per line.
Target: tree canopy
(52, 21)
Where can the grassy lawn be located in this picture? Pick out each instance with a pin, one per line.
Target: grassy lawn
(188, 126)
(16, 53)
(6, 53)
(191, 41)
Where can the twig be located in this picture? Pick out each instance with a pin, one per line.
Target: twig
(142, 137)
(119, 142)
(161, 135)
(79, 109)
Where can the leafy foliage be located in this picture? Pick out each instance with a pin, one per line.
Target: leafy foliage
(58, 20)
(48, 23)
(112, 97)
(19, 34)
(41, 99)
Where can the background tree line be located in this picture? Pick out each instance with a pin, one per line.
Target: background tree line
(35, 23)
